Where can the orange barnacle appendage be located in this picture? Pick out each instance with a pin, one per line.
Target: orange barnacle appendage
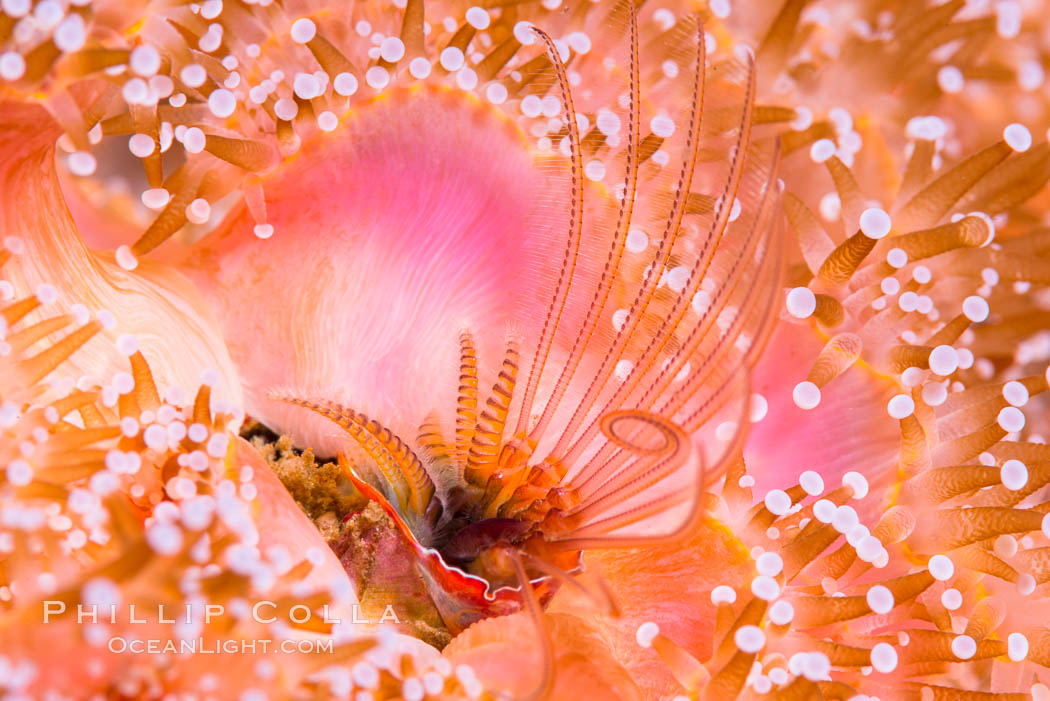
(505, 484)
(653, 462)
(486, 440)
(650, 281)
(398, 463)
(432, 444)
(616, 250)
(545, 340)
(467, 398)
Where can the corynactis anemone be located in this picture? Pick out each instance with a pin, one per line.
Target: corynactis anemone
(589, 308)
